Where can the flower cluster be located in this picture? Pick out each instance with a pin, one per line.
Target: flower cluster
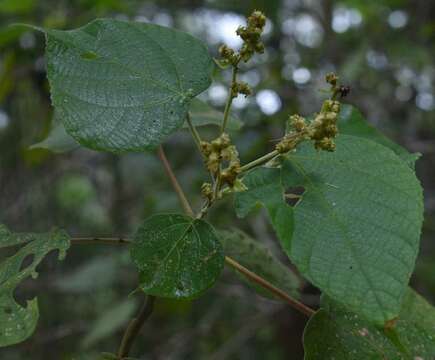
(219, 151)
(250, 34)
(322, 130)
(324, 126)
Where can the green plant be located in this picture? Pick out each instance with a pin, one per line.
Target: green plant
(354, 232)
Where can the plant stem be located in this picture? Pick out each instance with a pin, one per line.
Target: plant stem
(98, 240)
(267, 285)
(194, 132)
(258, 279)
(134, 327)
(231, 262)
(229, 100)
(183, 200)
(259, 161)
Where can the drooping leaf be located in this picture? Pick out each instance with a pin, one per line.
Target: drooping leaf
(258, 258)
(57, 140)
(264, 188)
(17, 323)
(352, 122)
(357, 227)
(203, 114)
(335, 333)
(124, 86)
(110, 321)
(177, 256)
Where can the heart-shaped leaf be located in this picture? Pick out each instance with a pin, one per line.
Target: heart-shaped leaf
(357, 226)
(177, 256)
(124, 86)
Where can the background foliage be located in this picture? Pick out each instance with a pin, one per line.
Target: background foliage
(383, 49)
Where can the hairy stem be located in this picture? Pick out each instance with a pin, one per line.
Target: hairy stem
(229, 100)
(267, 285)
(134, 327)
(194, 132)
(183, 200)
(259, 161)
(98, 240)
(231, 262)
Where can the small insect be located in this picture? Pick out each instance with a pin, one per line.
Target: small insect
(344, 90)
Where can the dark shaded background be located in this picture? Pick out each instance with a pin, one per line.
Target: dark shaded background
(383, 49)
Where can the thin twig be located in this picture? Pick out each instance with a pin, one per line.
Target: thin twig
(267, 285)
(231, 262)
(183, 200)
(194, 132)
(99, 240)
(134, 327)
(229, 100)
(259, 161)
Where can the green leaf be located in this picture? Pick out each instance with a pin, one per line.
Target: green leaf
(17, 323)
(335, 333)
(110, 321)
(57, 140)
(352, 122)
(8, 238)
(124, 86)
(264, 188)
(177, 256)
(203, 114)
(258, 258)
(357, 226)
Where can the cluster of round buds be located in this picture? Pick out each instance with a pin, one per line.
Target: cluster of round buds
(231, 156)
(212, 152)
(229, 56)
(240, 88)
(324, 127)
(288, 142)
(207, 191)
(299, 131)
(251, 34)
(218, 151)
(297, 123)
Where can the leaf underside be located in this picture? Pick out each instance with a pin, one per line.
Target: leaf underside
(124, 86)
(17, 323)
(177, 256)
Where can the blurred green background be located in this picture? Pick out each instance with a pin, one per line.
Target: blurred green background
(384, 50)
